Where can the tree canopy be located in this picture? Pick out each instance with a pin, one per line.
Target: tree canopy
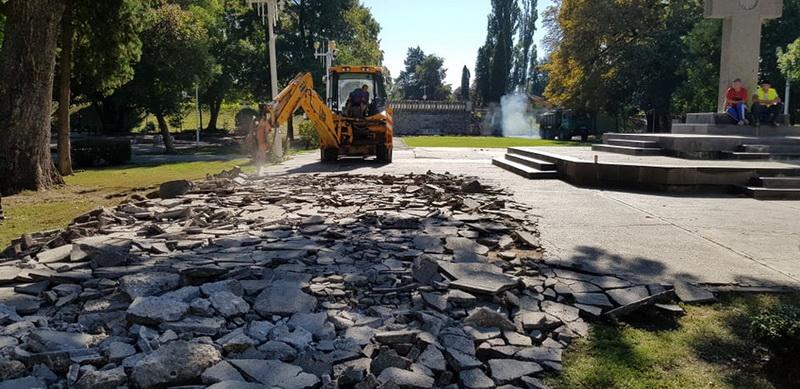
(655, 57)
(423, 76)
(789, 62)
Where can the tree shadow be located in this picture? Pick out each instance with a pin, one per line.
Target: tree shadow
(343, 165)
(742, 351)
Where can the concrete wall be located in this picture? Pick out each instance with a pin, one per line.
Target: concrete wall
(432, 118)
(433, 123)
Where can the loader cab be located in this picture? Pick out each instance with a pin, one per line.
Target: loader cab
(345, 79)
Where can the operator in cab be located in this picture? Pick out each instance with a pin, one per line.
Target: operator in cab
(359, 101)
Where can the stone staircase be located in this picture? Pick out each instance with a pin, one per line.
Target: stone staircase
(526, 164)
(629, 147)
(780, 152)
(773, 188)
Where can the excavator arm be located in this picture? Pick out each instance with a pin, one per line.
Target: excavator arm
(300, 93)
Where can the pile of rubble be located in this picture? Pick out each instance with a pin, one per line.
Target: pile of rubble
(346, 281)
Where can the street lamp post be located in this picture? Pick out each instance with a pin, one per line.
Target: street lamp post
(328, 55)
(269, 10)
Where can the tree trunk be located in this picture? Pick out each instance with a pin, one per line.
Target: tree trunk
(64, 156)
(27, 66)
(290, 128)
(215, 106)
(164, 127)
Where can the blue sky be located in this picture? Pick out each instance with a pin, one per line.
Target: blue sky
(452, 29)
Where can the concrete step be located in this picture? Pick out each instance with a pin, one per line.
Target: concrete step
(718, 118)
(537, 164)
(759, 193)
(778, 182)
(628, 150)
(732, 129)
(647, 144)
(524, 170)
(785, 149)
(743, 155)
(532, 153)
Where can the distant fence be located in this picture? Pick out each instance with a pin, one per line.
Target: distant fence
(430, 106)
(417, 117)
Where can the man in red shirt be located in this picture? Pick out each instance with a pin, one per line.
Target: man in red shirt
(736, 102)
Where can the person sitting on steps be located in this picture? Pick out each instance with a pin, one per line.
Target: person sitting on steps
(736, 102)
(766, 104)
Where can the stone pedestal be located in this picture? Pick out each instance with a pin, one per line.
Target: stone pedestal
(741, 39)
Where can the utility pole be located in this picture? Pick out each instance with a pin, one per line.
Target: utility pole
(328, 55)
(269, 10)
(788, 97)
(199, 114)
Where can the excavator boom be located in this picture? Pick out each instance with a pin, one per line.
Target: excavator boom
(300, 93)
(340, 133)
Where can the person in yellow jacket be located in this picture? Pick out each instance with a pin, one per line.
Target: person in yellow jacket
(767, 104)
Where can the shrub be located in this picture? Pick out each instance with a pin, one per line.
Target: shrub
(309, 133)
(778, 328)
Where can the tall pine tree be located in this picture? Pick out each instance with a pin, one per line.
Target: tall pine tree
(499, 51)
(526, 50)
(465, 83)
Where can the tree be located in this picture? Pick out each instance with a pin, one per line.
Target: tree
(465, 83)
(27, 65)
(2, 27)
(789, 62)
(538, 81)
(99, 46)
(175, 58)
(483, 74)
(553, 34)
(526, 50)
(627, 64)
(364, 47)
(423, 76)
(64, 98)
(305, 22)
(499, 51)
(700, 69)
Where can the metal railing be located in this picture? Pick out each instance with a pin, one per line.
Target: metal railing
(430, 106)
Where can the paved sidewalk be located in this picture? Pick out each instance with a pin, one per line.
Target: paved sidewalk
(651, 237)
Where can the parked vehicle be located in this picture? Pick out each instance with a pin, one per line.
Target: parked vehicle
(567, 124)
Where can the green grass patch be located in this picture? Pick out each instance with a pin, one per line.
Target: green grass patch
(710, 347)
(37, 211)
(482, 142)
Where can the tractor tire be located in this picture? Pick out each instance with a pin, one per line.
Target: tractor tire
(329, 155)
(383, 154)
(585, 138)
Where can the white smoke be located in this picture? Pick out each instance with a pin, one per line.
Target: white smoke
(517, 118)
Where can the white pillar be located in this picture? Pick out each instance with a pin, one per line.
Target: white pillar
(273, 65)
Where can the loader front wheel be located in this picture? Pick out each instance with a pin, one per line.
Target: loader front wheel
(383, 154)
(329, 155)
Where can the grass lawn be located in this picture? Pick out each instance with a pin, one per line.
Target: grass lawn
(707, 348)
(482, 142)
(38, 211)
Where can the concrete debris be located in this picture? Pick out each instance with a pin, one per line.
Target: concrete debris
(303, 281)
(691, 294)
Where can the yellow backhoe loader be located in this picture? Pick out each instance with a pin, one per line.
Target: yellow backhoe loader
(343, 129)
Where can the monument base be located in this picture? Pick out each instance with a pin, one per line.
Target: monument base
(708, 153)
(584, 166)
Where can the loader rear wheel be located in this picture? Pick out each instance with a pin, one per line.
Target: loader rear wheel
(383, 153)
(329, 155)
